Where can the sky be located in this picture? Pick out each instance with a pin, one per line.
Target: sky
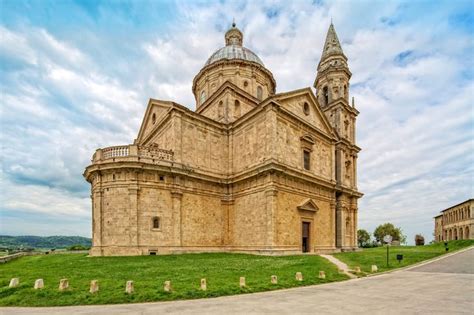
(77, 75)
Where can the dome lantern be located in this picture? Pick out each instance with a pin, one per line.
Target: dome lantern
(234, 36)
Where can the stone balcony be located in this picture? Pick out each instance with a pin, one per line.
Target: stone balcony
(133, 153)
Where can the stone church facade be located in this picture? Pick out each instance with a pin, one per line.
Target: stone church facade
(250, 170)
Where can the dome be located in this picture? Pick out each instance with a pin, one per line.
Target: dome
(233, 49)
(234, 52)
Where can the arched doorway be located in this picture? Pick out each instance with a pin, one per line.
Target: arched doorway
(450, 235)
(466, 233)
(461, 234)
(455, 236)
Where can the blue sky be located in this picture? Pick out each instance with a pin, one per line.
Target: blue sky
(77, 75)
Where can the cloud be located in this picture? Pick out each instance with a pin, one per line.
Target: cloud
(67, 91)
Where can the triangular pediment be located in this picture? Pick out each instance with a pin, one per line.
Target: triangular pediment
(308, 205)
(154, 114)
(227, 87)
(303, 104)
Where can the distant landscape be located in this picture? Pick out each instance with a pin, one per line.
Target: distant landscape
(42, 242)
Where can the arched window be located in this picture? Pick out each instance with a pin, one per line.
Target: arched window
(153, 118)
(156, 223)
(203, 97)
(325, 95)
(237, 108)
(259, 92)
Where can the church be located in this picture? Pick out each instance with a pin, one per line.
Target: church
(249, 170)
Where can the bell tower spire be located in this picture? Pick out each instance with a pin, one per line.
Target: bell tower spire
(332, 79)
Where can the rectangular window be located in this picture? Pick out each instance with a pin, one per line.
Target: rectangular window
(306, 159)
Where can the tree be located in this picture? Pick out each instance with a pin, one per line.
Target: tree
(363, 238)
(389, 229)
(419, 240)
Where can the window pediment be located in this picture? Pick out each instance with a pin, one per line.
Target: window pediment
(308, 205)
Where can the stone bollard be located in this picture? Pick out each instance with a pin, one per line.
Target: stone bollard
(374, 268)
(322, 275)
(242, 282)
(129, 287)
(274, 279)
(167, 286)
(203, 284)
(39, 284)
(299, 276)
(14, 282)
(63, 284)
(94, 286)
(357, 269)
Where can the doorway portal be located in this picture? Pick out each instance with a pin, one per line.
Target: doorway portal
(305, 240)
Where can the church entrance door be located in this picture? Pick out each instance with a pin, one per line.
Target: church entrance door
(305, 239)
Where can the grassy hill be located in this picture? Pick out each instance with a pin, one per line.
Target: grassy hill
(30, 241)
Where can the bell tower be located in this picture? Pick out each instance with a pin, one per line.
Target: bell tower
(332, 92)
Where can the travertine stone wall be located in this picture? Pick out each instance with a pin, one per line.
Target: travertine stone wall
(289, 221)
(290, 148)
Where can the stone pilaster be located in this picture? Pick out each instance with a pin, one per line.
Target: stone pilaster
(227, 215)
(340, 224)
(134, 229)
(355, 227)
(271, 208)
(177, 216)
(333, 221)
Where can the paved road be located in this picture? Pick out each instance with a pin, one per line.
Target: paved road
(442, 287)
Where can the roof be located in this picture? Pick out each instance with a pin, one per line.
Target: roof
(469, 200)
(233, 48)
(332, 46)
(234, 52)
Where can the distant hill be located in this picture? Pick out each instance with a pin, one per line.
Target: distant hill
(30, 241)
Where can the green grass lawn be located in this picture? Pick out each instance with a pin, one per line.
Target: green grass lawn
(222, 272)
(411, 255)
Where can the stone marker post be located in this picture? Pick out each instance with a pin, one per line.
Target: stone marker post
(129, 287)
(322, 275)
(14, 282)
(274, 279)
(299, 276)
(374, 268)
(167, 286)
(357, 269)
(39, 284)
(242, 282)
(63, 284)
(94, 286)
(203, 284)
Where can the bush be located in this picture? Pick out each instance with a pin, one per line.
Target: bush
(419, 240)
(77, 247)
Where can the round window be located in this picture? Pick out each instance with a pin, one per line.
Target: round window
(306, 108)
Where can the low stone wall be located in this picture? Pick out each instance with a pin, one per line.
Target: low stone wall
(5, 259)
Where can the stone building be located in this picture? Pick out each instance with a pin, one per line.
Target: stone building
(249, 170)
(455, 223)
